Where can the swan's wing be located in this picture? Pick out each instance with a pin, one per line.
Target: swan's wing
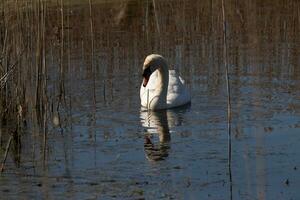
(178, 93)
(176, 83)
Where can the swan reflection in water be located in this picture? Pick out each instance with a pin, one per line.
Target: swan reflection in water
(159, 123)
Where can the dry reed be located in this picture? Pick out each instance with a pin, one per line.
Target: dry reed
(228, 94)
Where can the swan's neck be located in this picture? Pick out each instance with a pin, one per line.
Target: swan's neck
(162, 89)
(163, 74)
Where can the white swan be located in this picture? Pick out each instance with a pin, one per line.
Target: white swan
(162, 88)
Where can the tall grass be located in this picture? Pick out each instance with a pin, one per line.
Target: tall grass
(23, 69)
(33, 33)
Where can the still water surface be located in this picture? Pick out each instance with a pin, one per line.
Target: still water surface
(106, 147)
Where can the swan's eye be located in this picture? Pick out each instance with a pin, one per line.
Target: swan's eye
(147, 72)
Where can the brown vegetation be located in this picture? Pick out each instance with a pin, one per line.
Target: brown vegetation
(38, 39)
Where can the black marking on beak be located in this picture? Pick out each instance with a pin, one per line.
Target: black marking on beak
(147, 72)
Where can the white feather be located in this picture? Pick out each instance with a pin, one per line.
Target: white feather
(177, 95)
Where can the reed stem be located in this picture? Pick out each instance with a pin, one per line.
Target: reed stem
(62, 87)
(5, 155)
(92, 53)
(156, 17)
(228, 95)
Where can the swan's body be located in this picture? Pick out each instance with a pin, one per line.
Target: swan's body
(162, 88)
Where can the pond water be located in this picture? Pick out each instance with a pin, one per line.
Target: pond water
(101, 145)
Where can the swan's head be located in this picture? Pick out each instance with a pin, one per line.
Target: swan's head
(152, 63)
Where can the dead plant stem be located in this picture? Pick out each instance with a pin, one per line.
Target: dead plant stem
(228, 95)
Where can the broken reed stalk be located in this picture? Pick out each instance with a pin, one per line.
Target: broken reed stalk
(6, 152)
(228, 95)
